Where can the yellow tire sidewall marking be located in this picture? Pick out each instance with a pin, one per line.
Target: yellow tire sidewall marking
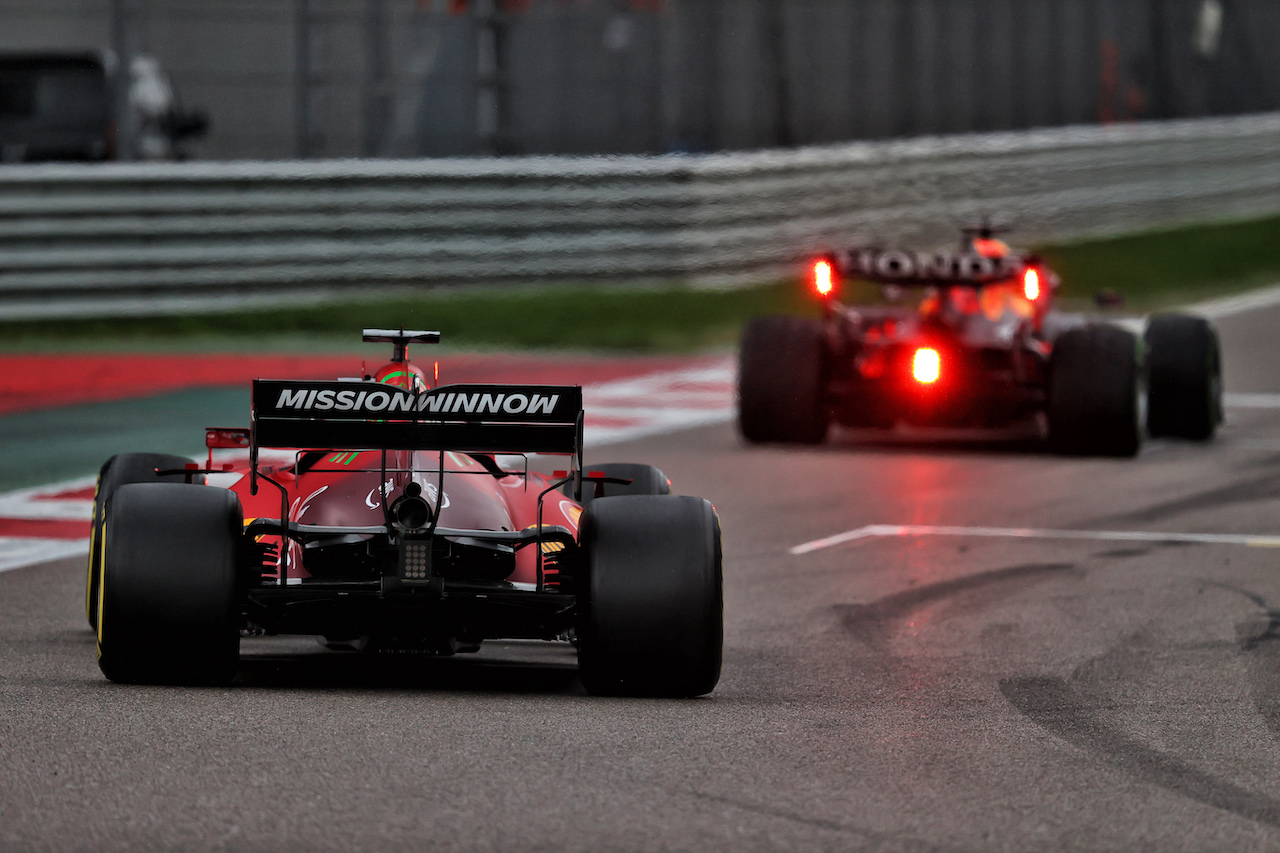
(102, 585)
(89, 603)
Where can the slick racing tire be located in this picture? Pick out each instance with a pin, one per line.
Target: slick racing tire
(781, 381)
(645, 480)
(651, 619)
(1184, 377)
(170, 610)
(120, 470)
(1096, 395)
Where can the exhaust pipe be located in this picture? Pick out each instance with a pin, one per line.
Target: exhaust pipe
(411, 511)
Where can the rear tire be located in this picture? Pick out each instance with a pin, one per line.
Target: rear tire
(1096, 395)
(120, 470)
(170, 612)
(1184, 376)
(645, 480)
(782, 381)
(652, 615)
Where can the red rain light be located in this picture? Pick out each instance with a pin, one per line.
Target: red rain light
(1031, 284)
(822, 277)
(926, 367)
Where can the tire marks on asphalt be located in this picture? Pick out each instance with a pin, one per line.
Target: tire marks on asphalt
(1264, 488)
(1052, 704)
(1259, 640)
(876, 840)
(867, 621)
(1076, 709)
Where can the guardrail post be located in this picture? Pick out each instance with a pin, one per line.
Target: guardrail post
(302, 78)
(489, 82)
(124, 44)
(377, 82)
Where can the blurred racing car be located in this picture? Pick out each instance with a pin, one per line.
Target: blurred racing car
(404, 518)
(983, 348)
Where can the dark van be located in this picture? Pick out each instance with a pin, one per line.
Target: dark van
(55, 107)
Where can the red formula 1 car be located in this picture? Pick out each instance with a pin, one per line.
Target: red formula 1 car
(405, 517)
(982, 348)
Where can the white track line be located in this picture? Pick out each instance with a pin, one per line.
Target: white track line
(1214, 309)
(659, 403)
(1226, 306)
(19, 552)
(30, 504)
(1251, 401)
(872, 531)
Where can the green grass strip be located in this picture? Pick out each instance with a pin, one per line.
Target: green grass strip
(1164, 268)
(1151, 270)
(661, 319)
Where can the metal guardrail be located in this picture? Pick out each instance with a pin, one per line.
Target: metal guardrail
(100, 240)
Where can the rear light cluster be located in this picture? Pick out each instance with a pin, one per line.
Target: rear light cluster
(926, 366)
(823, 277)
(1031, 284)
(415, 560)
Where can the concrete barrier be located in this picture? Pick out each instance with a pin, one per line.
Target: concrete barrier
(111, 239)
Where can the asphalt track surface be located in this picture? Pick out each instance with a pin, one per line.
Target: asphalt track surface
(894, 692)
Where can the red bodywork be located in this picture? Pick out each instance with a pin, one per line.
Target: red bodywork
(342, 489)
(347, 488)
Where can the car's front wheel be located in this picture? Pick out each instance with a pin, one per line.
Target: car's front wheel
(645, 480)
(121, 470)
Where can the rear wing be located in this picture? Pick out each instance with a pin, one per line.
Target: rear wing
(943, 269)
(373, 416)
